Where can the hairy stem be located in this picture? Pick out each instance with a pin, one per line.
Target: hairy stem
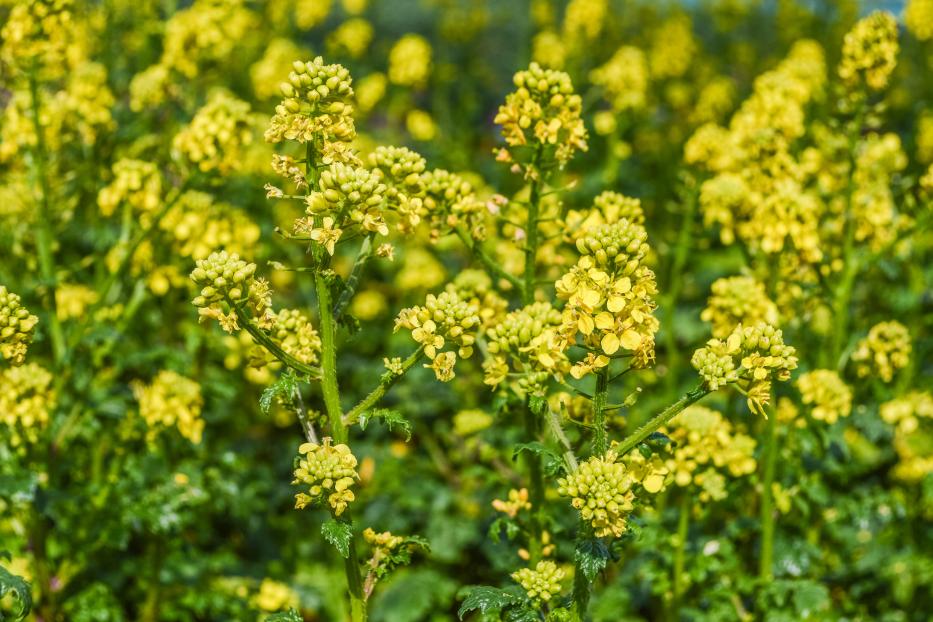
(553, 424)
(661, 419)
(600, 399)
(44, 234)
(260, 337)
(683, 527)
(388, 380)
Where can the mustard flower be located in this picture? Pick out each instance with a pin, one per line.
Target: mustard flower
(829, 397)
(884, 351)
(542, 583)
(171, 400)
(329, 471)
(17, 326)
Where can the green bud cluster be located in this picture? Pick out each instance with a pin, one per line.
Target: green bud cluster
(615, 207)
(215, 138)
(400, 166)
(297, 336)
(445, 317)
(737, 300)
(542, 583)
(329, 471)
(16, 327)
(869, 51)
(621, 245)
(601, 489)
(134, 181)
(751, 355)
(883, 351)
(222, 275)
(528, 339)
(356, 192)
(317, 105)
(520, 328)
(448, 196)
(27, 398)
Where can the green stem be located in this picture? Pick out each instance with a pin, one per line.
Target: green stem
(683, 527)
(386, 383)
(767, 500)
(675, 282)
(260, 337)
(489, 264)
(581, 585)
(44, 234)
(600, 399)
(661, 419)
(553, 424)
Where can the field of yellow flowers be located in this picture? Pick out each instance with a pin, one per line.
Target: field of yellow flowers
(430, 310)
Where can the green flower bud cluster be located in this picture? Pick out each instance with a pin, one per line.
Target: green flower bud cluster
(37, 30)
(329, 471)
(227, 280)
(171, 400)
(737, 300)
(445, 317)
(401, 167)
(624, 78)
(542, 583)
(912, 418)
(601, 489)
(215, 138)
(615, 207)
(828, 395)
(26, 401)
(884, 351)
(752, 356)
(620, 246)
(317, 106)
(526, 338)
(545, 111)
(450, 200)
(410, 61)
(705, 446)
(137, 183)
(355, 193)
(297, 336)
(475, 285)
(16, 327)
(869, 51)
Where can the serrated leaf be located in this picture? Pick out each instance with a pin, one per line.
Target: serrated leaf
(537, 404)
(285, 386)
(591, 556)
(291, 615)
(19, 588)
(503, 525)
(537, 448)
(522, 614)
(486, 600)
(339, 534)
(392, 418)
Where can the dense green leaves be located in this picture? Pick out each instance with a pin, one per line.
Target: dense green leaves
(17, 588)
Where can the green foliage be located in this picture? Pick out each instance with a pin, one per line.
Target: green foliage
(338, 533)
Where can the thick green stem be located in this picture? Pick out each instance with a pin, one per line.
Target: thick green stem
(661, 419)
(44, 235)
(600, 399)
(536, 486)
(581, 585)
(683, 527)
(767, 499)
(329, 360)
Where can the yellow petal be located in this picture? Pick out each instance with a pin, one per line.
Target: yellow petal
(631, 340)
(653, 483)
(615, 303)
(604, 321)
(610, 343)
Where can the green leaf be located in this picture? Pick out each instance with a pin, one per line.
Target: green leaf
(537, 448)
(810, 599)
(284, 387)
(503, 525)
(392, 418)
(291, 615)
(537, 404)
(18, 587)
(591, 556)
(339, 534)
(487, 600)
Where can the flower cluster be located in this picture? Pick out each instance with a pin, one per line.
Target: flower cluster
(884, 351)
(171, 400)
(275, 596)
(601, 489)
(26, 401)
(515, 503)
(912, 418)
(317, 107)
(737, 300)
(624, 78)
(215, 138)
(353, 195)
(918, 17)
(16, 327)
(384, 541)
(527, 341)
(197, 224)
(705, 447)
(227, 281)
(542, 111)
(542, 583)
(608, 208)
(410, 61)
(135, 182)
(751, 357)
(37, 30)
(869, 51)
(329, 471)
(609, 294)
(445, 317)
(402, 170)
(207, 32)
(828, 396)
